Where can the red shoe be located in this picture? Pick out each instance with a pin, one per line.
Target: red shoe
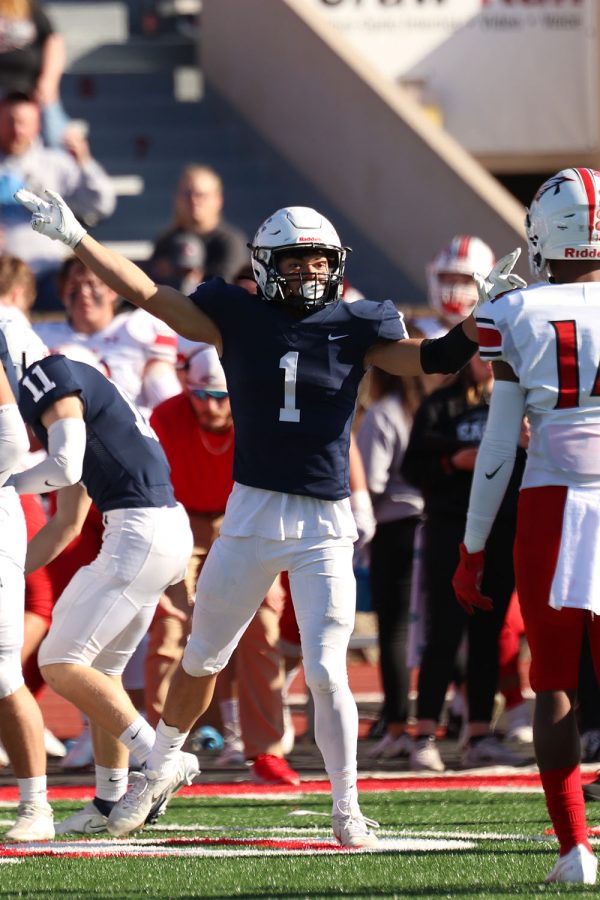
(269, 769)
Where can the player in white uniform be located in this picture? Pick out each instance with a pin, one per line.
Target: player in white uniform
(21, 724)
(138, 350)
(545, 345)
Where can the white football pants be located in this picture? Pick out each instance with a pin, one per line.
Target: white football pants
(106, 608)
(236, 576)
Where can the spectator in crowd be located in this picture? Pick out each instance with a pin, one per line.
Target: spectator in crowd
(95, 437)
(382, 439)
(199, 209)
(545, 346)
(181, 263)
(25, 162)
(439, 461)
(137, 349)
(32, 60)
(21, 723)
(289, 510)
(196, 432)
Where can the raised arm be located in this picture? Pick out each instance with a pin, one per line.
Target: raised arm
(52, 217)
(415, 356)
(72, 506)
(454, 350)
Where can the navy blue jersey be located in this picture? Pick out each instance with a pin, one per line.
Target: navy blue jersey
(293, 381)
(9, 368)
(124, 466)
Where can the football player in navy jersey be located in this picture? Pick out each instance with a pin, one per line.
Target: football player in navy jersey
(294, 356)
(21, 724)
(101, 449)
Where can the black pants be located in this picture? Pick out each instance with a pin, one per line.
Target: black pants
(391, 568)
(447, 622)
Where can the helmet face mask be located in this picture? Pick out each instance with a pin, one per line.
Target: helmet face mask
(451, 289)
(563, 221)
(298, 232)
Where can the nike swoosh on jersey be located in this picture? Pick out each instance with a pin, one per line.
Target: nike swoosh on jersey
(336, 337)
(49, 484)
(490, 475)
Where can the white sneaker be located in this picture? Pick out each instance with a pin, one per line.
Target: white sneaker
(425, 756)
(53, 746)
(88, 820)
(578, 866)
(351, 828)
(519, 732)
(81, 753)
(35, 822)
(489, 751)
(148, 795)
(232, 754)
(4, 760)
(390, 747)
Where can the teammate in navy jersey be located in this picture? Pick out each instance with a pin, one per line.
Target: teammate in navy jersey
(101, 449)
(293, 357)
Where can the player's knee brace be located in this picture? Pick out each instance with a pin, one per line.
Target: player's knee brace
(199, 659)
(321, 677)
(11, 673)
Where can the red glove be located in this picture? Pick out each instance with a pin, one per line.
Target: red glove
(467, 581)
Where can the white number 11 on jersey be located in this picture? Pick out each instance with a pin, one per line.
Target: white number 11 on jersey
(289, 364)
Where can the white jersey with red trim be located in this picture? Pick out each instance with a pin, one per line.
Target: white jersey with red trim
(127, 346)
(550, 336)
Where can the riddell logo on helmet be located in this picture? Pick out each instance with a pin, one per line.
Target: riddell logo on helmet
(586, 253)
(309, 240)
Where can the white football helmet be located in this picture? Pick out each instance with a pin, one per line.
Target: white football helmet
(300, 229)
(24, 345)
(464, 255)
(563, 221)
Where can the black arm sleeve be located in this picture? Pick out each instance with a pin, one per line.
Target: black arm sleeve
(448, 353)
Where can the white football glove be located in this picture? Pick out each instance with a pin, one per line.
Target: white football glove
(52, 217)
(500, 280)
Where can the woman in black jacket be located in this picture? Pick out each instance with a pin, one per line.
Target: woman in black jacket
(439, 460)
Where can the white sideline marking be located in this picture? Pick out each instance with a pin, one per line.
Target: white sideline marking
(145, 848)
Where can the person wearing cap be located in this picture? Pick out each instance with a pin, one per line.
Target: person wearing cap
(198, 208)
(195, 429)
(181, 261)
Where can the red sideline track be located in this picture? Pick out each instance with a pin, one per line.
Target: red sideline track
(431, 783)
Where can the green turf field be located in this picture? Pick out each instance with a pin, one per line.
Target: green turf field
(471, 844)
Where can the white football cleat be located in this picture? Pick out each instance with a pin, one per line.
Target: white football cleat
(148, 795)
(35, 822)
(425, 756)
(578, 866)
(351, 828)
(88, 820)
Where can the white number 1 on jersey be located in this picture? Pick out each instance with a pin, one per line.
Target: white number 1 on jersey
(289, 364)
